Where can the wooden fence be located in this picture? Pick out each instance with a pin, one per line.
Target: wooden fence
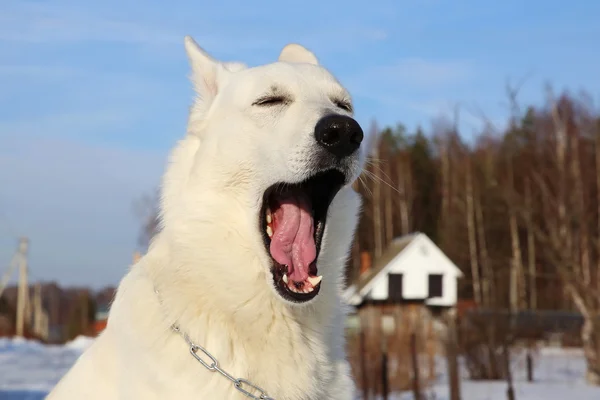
(393, 348)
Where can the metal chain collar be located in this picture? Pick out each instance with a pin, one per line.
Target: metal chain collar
(213, 366)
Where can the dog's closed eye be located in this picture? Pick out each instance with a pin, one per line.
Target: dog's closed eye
(274, 100)
(343, 104)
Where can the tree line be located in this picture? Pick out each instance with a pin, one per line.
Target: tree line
(517, 207)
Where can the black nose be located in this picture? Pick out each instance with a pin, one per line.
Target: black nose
(340, 135)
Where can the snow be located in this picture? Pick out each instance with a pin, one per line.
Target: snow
(558, 374)
(28, 370)
(80, 343)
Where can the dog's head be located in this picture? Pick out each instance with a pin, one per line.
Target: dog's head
(265, 172)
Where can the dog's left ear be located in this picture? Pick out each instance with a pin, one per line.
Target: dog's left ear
(295, 53)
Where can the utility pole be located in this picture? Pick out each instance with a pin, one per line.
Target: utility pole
(38, 313)
(23, 290)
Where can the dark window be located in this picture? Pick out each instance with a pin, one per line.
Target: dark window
(435, 285)
(395, 287)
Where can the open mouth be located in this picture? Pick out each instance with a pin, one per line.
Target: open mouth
(292, 222)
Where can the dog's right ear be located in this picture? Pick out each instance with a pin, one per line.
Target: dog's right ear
(205, 71)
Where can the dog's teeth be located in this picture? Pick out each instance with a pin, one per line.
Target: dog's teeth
(269, 231)
(285, 278)
(314, 280)
(268, 216)
(308, 290)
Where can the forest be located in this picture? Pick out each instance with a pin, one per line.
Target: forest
(517, 207)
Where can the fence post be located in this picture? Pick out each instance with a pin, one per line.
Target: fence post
(510, 390)
(415, 365)
(363, 358)
(430, 350)
(529, 361)
(384, 375)
(452, 355)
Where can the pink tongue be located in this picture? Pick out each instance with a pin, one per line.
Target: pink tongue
(293, 243)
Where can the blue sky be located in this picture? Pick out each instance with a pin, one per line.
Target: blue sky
(93, 94)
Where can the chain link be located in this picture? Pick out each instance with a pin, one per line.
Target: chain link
(213, 366)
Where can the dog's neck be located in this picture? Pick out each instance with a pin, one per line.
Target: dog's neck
(262, 316)
(249, 343)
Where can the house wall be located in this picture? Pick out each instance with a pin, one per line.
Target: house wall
(415, 263)
(449, 291)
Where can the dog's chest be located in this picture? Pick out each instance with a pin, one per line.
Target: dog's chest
(290, 369)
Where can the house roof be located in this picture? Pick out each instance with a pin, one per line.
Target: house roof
(395, 247)
(358, 290)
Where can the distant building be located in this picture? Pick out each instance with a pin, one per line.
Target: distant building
(412, 269)
(100, 319)
(104, 299)
(399, 305)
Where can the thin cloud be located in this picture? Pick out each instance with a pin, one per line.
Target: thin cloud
(342, 38)
(18, 71)
(414, 86)
(53, 124)
(420, 73)
(40, 24)
(409, 81)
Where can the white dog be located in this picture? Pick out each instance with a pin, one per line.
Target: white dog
(257, 217)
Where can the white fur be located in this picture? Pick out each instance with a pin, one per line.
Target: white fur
(209, 264)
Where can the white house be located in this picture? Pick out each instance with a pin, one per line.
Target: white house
(412, 268)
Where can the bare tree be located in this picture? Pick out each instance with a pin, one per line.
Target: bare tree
(403, 176)
(531, 261)
(470, 216)
(487, 279)
(377, 224)
(562, 225)
(517, 292)
(389, 201)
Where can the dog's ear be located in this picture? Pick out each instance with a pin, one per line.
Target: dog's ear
(295, 53)
(205, 70)
(207, 73)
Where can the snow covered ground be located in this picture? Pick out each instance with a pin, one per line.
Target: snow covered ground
(559, 374)
(28, 370)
